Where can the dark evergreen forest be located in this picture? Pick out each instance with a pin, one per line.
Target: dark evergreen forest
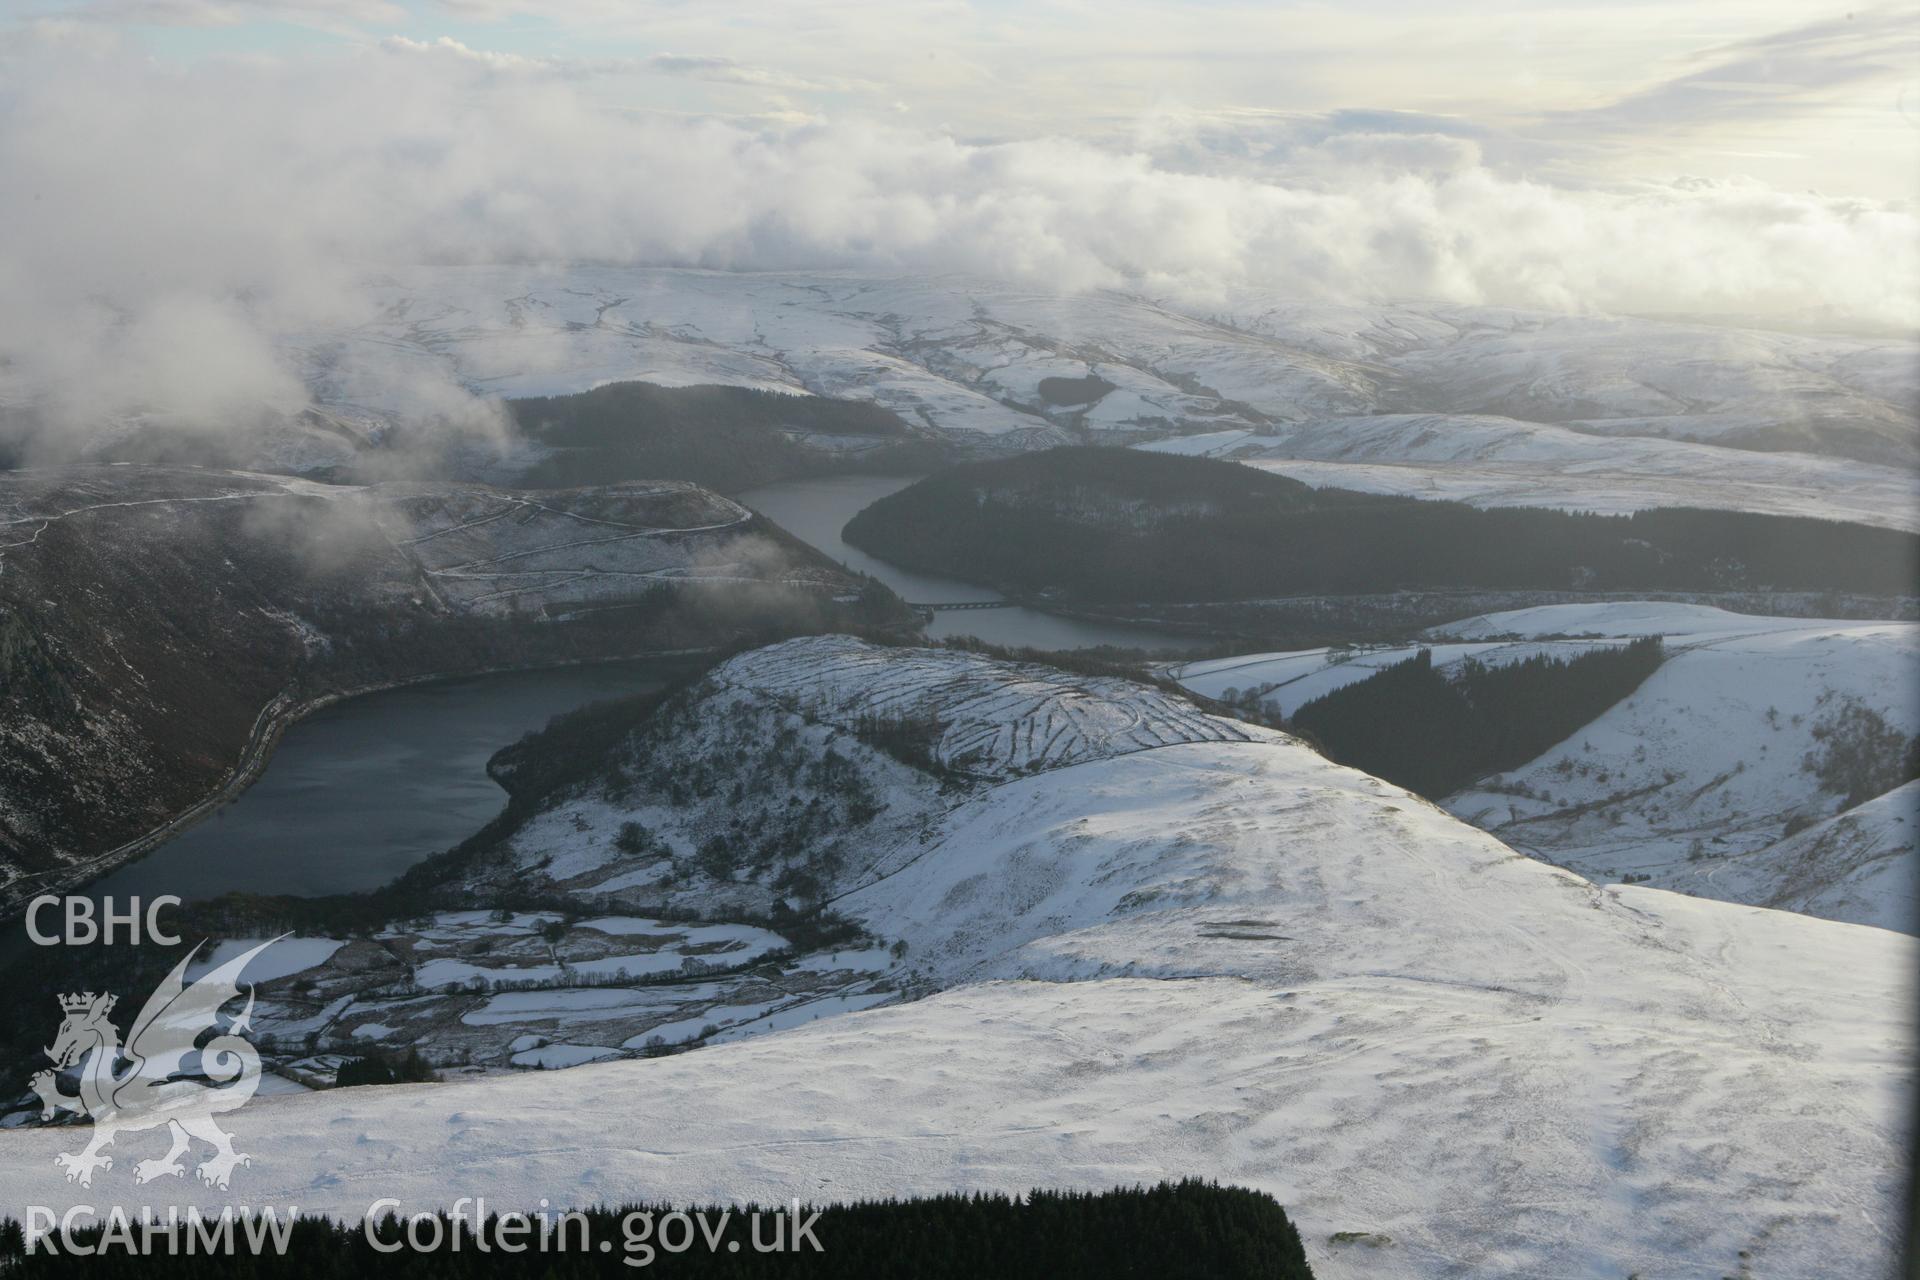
(1189, 1230)
(1415, 727)
(1103, 525)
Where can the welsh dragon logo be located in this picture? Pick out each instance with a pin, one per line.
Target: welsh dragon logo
(162, 1075)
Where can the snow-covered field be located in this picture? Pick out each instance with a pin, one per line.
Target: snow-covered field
(1219, 955)
(496, 989)
(1486, 404)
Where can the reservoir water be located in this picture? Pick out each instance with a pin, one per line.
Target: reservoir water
(360, 791)
(816, 510)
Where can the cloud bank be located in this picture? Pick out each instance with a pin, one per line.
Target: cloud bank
(164, 225)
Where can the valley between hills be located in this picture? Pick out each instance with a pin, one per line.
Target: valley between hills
(1311, 886)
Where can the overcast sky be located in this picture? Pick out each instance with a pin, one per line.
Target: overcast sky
(1799, 95)
(186, 179)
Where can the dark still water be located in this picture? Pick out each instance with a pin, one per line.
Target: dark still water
(817, 510)
(357, 793)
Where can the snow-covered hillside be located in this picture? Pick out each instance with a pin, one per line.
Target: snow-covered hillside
(492, 550)
(1861, 865)
(806, 768)
(476, 547)
(1709, 777)
(157, 624)
(1218, 955)
(1694, 779)
(789, 775)
(1611, 412)
(1621, 376)
(996, 720)
(1492, 461)
(1284, 682)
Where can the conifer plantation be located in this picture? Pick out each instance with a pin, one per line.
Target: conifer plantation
(1190, 1230)
(1106, 526)
(1412, 725)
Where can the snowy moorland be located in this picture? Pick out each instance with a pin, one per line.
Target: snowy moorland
(1136, 943)
(1487, 404)
(1723, 775)
(1498, 462)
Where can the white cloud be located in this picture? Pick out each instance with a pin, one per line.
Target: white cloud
(210, 205)
(221, 13)
(448, 47)
(1781, 73)
(724, 70)
(1800, 96)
